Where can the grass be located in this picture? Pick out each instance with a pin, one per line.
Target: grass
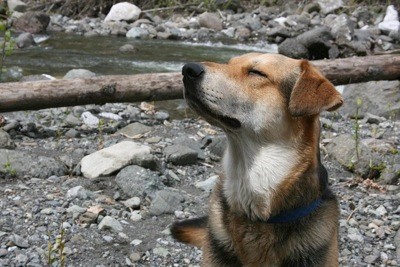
(55, 251)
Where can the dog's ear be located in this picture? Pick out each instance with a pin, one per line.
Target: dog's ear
(313, 93)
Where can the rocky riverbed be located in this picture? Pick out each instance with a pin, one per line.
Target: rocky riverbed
(100, 185)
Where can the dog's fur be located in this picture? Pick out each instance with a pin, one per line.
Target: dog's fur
(268, 106)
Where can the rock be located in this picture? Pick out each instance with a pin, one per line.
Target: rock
(127, 48)
(137, 33)
(109, 223)
(342, 149)
(110, 116)
(135, 130)
(397, 243)
(136, 181)
(19, 241)
(79, 74)
(77, 192)
(72, 133)
(191, 143)
(180, 155)
(317, 42)
(208, 184)
(371, 258)
(161, 115)
(16, 6)
(342, 29)
(133, 203)
(166, 202)
(28, 163)
(381, 211)
(88, 218)
(160, 251)
(391, 174)
(292, 48)
(210, 20)
(5, 140)
(71, 120)
(111, 159)
(32, 22)
(355, 235)
(328, 6)
(3, 252)
(217, 146)
(391, 21)
(40, 77)
(136, 216)
(312, 7)
(90, 120)
(123, 11)
(24, 40)
(380, 98)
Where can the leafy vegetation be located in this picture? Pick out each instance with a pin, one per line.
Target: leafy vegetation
(7, 43)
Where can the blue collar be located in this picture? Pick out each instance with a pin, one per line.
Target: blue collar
(296, 214)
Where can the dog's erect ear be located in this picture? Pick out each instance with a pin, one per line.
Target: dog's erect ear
(313, 93)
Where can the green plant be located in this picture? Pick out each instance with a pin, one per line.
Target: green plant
(55, 251)
(357, 128)
(7, 44)
(100, 128)
(9, 170)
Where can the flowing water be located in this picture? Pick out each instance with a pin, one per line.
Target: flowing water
(62, 52)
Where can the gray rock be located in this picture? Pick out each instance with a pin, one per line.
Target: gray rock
(24, 40)
(27, 163)
(380, 98)
(77, 192)
(3, 252)
(123, 11)
(32, 22)
(127, 48)
(397, 243)
(40, 77)
(342, 29)
(136, 181)
(109, 223)
(217, 145)
(79, 74)
(21, 259)
(5, 140)
(166, 202)
(355, 235)
(16, 6)
(137, 33)
(160, 251)
(210, 20)
(312, 7)
(72, 133)
(208, 184)
(292, 48)
(328, 6)
(135, 130)
(191, 143)
(343, 150)
(19, 241)
(391, 21)
(111, 159)
(180, 155)
(90, 120)
(161, 115)
(133, 203)
(391, 174)
(371, 258)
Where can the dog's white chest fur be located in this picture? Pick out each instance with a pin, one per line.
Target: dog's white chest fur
(253, 173)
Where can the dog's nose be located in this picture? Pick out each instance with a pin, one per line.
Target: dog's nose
(192, 70)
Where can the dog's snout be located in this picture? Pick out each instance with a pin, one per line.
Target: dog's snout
(192, 70)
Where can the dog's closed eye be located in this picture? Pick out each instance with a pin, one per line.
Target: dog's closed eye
(257, 72)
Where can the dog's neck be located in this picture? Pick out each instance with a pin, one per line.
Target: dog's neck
(255, 170)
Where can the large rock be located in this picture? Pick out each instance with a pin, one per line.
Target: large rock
(210, 20)
(342, 29)
(391, 21)
(313, 44)
(123, 11)
(79, 74)
(5, 140)
(111, 159)
(381, 98)
(136, 181)
(26, 163)
(180, 155)
(137, 33)
(109, 223)
(328, 6)
(32, 22)
(16, 6)
(166, 202)
(24, 40)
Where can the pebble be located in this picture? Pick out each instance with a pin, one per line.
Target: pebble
(109, 223)
(133, 203)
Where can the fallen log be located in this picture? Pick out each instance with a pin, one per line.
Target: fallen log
(165, 86)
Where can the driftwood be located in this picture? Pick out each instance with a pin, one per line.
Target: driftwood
(165, 86)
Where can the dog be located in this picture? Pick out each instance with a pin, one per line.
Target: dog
(272, 206)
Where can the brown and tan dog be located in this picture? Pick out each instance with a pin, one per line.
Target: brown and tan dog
(273, 206)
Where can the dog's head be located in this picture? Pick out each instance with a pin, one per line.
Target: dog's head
(257, 91)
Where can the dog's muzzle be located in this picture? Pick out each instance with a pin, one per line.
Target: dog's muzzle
(193, 74)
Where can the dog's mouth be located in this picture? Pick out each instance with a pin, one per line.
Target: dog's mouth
(196, 103)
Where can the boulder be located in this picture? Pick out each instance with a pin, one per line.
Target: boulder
(391, 21)
(28, 163)
(123, 11)
(166, 202)
(16, 6)
(342, 29)
(292, 48)
(381, 98)
(79, 74)
(136, 181)
(111, 159)
(210, 20)
(32, 22)
(137, 33)
(180, 155)
(24, 40)
(329, 6)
